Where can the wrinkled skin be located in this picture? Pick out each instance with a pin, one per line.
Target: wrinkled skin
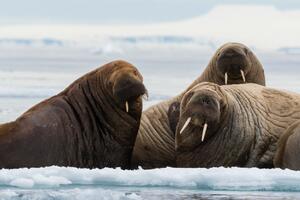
(288, 151)
(155, 141)
(244, 124)
(86, 125)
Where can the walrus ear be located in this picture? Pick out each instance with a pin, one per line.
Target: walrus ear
(173, 116)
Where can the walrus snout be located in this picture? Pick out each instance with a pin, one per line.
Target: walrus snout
(128, 89)
(201, 113)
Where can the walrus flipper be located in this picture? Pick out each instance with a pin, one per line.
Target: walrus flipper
(173, 116)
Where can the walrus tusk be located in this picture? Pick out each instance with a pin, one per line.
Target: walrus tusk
(186, 124)
(145, 96)
(126, 106)
(243, 76)
(204, 132)
(226, 78)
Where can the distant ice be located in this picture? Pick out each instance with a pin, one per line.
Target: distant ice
(259, 26)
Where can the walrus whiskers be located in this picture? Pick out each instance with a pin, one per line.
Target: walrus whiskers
(226, 78)
(243, 76)
(204, 132)
(126, 106)
(186, 124)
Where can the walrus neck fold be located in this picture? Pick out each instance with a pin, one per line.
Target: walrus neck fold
(101, 121)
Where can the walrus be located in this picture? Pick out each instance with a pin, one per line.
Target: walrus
(233, 125)
(93, 123)
(287, 154)
(232, 63)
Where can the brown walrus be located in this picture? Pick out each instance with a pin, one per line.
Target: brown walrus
(233, 125)
(92, 123)
(288, 151)
(232, 63)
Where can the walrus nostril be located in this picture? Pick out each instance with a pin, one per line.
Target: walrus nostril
(205, 101)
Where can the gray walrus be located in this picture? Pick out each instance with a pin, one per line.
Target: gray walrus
(233, 125)
(92, 123)
(232, 63)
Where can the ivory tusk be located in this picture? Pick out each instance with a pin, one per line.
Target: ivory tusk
(226, 78)
(186, 124)
(243, 76)
(204, 132)
(126, 106)
(145, 97)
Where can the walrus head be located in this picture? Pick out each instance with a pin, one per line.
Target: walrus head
(200, 113)
(127, 87)
(213, 130)
(233, 63)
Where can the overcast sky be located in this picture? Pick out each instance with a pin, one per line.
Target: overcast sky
(115, 11)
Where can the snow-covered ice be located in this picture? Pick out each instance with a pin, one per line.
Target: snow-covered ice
(68, 183)
(215, 179)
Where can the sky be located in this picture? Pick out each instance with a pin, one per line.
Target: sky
(116, 11)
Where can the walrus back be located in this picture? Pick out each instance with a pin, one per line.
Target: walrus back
(6, 128)
(273, 114)
(155, 140)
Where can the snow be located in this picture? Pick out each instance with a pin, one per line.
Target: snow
(215, 179)
(166, 183)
